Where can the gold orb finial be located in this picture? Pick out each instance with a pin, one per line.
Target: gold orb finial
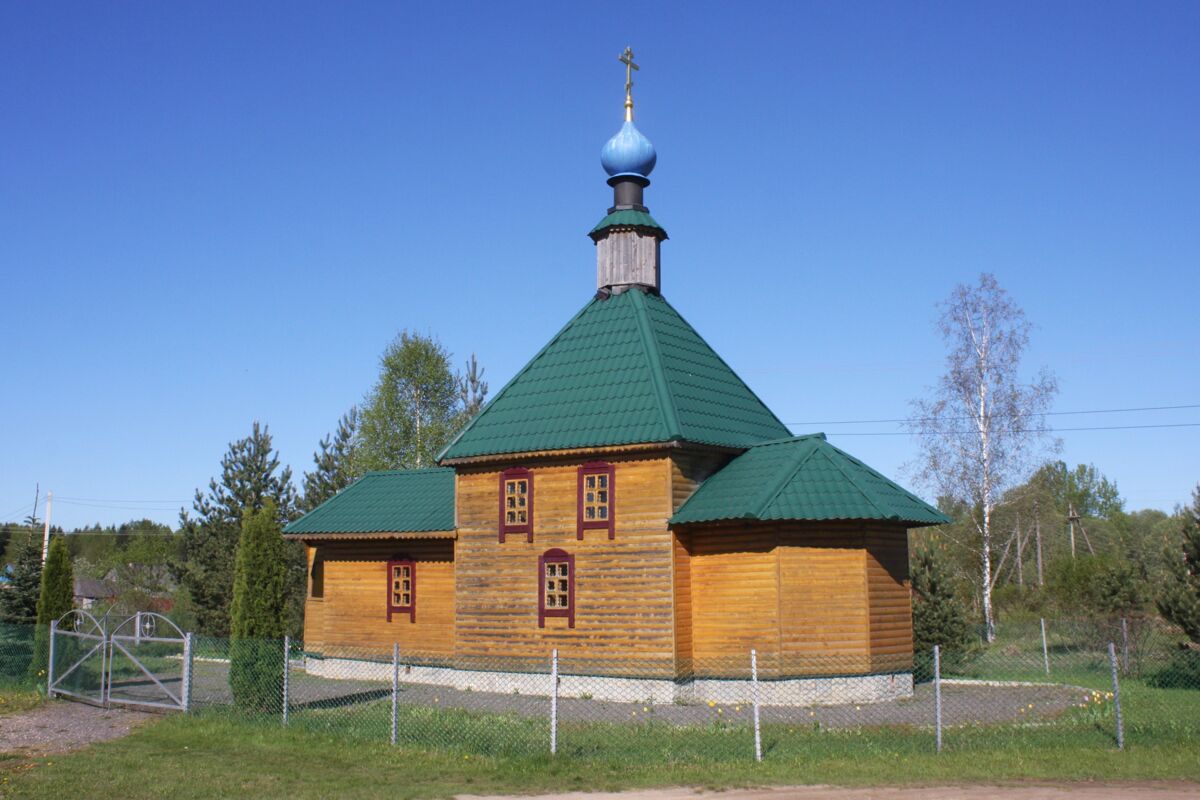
(626, 58)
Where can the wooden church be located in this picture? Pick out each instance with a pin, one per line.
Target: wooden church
(627, 500)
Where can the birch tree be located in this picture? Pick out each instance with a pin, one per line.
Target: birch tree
(982, 427)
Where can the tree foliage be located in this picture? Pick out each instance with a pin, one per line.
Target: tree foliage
(18, 601)
(259, 611)
(56, 597)
(980, 427)
(417, 405)
(1179, 600)
(1083, 489)
(251, 479)
(334, 463)
(939, 617)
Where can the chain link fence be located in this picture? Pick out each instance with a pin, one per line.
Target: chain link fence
(1057, 684)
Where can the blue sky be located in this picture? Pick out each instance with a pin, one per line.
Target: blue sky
(216, 213)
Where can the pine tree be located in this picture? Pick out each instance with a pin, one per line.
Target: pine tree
(55, 598)
(251, 477)
(472, 391)
(1179, 601)
(938, 615)
(259, 612)
(334, 463)
(18, 602)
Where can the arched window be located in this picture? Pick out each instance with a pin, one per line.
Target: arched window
(516, 503)
(402, 588)
(556, 586)
(596, 501)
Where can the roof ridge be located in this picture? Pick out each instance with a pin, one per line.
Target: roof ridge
(869, 495)
(787, 478)
(528, 364)
(666, 399)
(404, 471)
(723, 362)
(789, 439)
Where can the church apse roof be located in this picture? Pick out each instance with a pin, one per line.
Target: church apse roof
(803, 478)
(389, 501)
(627, 369)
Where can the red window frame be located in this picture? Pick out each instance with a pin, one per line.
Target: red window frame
(411, 608)
(556, 556)
(517, 473)
(609, 524)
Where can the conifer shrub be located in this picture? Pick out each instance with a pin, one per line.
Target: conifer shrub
(55, 598)
(258, 613)
(939, 616)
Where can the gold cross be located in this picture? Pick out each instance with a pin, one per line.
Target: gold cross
(626, 58)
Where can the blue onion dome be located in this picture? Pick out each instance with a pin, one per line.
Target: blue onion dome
(628, 153)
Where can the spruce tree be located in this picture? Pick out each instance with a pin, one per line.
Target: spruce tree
(334, 463)
(259, 612)
(251, 477)
(56, 597)
(18, 602)
(938, 615)
(1179, 601)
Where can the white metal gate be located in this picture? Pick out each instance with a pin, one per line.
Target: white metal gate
(145, 660)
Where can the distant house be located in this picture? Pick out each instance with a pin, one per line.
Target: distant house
(90, 592)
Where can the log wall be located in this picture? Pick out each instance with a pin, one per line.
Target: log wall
(352, 616)
(624, 588)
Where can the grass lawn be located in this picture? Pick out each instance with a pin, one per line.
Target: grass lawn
(215, 755)
(17, 699)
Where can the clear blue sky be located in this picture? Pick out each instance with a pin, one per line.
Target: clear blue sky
(215, 213)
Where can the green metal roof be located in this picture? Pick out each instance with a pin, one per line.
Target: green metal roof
(625, 370)
(803, 478)
(627, 218)
(394, 501)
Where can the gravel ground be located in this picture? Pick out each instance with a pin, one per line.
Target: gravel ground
(59, 726)
(962, 703)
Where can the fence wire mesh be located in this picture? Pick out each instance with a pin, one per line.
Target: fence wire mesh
(1022, 691)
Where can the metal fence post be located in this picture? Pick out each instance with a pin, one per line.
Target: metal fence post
(286, 646)
(1045, 650)
(554, 701)
(395, 687)
(50, 660)
(937, 696)
(187, 673)
(754, 691)
(1112, 660)
(1125, 645)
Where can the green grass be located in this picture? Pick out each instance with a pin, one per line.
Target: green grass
(343, 753)
(17, 698)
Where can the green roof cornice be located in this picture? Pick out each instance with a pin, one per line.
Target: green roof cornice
(629, 218)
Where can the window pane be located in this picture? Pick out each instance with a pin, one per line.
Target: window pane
(603, 512)
(511, 517)
(602, 497)
(562, 569)
(589, 512)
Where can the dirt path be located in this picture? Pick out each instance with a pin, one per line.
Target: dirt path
(59, 726)
(1149, 790)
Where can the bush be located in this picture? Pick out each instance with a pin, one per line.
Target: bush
(1182, 671)
(939, 617)
(258, 613)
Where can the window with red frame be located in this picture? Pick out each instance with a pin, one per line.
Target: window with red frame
(556, 586)
(595, 502)
(516, 503)
(402, 588)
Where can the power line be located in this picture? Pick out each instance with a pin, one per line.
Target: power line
(1042, 414)
(164, 507)
(1030, 430)
(112, 500)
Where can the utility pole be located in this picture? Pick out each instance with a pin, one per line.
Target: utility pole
(1037, 534)
(1020, 554)
(46, 529)
(1071, 527)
